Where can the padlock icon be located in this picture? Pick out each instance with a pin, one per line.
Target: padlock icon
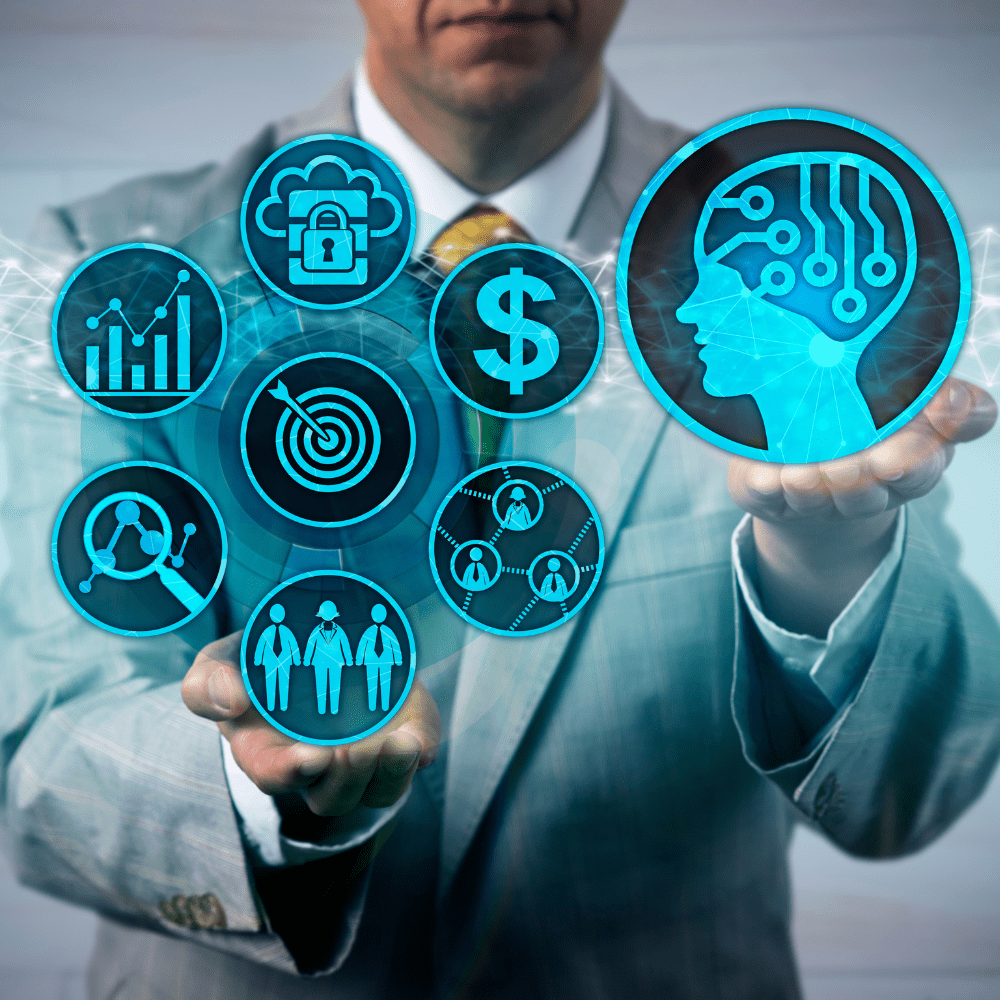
(327, 242)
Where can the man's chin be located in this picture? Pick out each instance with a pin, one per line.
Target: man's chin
(497, 87)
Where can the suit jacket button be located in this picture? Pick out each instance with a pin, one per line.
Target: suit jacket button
(175, 910)
(207, 912)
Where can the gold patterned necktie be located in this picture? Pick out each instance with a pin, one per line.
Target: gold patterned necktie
(481, 227)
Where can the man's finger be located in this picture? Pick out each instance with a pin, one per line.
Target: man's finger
(805, 491)
(397, 764)
(213, 686)
(961, 411)
(911, 461)
(756, 487)
(344, 783)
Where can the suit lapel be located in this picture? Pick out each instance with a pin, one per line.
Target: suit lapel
(603, 441)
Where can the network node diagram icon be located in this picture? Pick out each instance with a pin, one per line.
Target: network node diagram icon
(328, 439)
(139, 330)
(139, 548)
(828, 295)
(516, 548)
(328, 221)
(517, 330)
(328, 657)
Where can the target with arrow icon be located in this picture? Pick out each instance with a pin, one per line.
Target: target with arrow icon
(328, 439)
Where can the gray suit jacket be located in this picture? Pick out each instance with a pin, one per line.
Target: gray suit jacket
(612, 815)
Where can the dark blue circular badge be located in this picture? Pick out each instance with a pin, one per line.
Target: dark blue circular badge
(793, 285)
(517, 330)
(328, 221)
(517, 548)
(328, 657)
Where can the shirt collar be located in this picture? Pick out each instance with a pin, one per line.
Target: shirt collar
(545, 201)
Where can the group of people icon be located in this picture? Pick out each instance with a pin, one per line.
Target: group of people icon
(328, 651)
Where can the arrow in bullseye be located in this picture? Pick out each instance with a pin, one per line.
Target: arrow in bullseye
(282, 395)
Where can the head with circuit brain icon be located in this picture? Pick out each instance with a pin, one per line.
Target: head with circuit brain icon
(803, 259)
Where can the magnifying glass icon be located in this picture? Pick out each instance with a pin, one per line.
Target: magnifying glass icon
(152, 542)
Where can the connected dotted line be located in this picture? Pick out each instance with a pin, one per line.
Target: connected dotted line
(506, 474)
(554, 486)
(468, 601)
(514, 570)
(562, 604)
(579, 538)
(588, 569)
(497, 534)
(446, 535)
(475, 493)
(520, 617)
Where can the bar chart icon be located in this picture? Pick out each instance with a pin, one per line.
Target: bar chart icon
(163, 384)
(139, 330)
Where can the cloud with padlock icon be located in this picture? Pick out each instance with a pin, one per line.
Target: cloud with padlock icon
(327, 229)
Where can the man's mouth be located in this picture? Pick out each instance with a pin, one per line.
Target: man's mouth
(505, 19)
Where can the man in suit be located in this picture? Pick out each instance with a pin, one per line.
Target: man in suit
(609, 811)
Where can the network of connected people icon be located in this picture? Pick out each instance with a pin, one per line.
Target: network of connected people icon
(793, 286)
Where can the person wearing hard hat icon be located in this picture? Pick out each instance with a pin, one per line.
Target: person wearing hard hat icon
(518, 517)
(327, 651)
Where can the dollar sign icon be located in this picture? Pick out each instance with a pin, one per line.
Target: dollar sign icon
(518, 327)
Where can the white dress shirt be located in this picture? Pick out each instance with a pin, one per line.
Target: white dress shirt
(821, 673)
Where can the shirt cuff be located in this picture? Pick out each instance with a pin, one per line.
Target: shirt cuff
(260, 823)
(823, 672)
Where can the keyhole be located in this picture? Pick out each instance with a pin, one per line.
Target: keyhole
(327, 251)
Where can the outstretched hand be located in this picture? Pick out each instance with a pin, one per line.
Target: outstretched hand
(903, 467)
(374, 771)
(821, 529)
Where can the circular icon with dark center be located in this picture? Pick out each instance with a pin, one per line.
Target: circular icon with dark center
(516, 548)
(328, 439)
(794, 286)
(517, 330)
(139, 330)
(139, 548)
(328, 657)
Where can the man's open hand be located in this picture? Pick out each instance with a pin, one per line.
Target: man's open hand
(820, 530)
(903, 467)
(373, 772)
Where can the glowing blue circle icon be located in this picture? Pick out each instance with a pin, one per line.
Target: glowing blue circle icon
(139, 330)
(517, 330)
(328, 657)
(328, 221)
(112, 524)
(328, 439)
(516, 548)
(829, 291)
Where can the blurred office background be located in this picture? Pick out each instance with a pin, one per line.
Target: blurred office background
(95, 91)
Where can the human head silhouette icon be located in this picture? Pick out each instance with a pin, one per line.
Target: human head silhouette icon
(277, 613)
(803, 259)
(553, 564)
(475, 553)
(328, 611)
(517, 494)
(378, 614)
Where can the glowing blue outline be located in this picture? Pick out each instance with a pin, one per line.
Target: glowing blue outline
(58, 353)
(792, 114)
(403, 261)
(409, 419)
(600, 331)
(132, 465)
(313, 574)
(598, 571)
